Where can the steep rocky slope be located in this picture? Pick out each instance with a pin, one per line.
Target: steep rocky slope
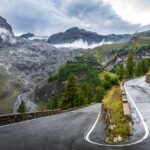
(5, 25)
(29, 59)
(6, 33)
(33, 59)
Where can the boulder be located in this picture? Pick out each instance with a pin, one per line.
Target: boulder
(147, 79)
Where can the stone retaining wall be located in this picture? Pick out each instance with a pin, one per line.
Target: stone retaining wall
(14, 118)
(125, 104)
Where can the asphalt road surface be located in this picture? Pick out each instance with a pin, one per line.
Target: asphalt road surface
(66, 131)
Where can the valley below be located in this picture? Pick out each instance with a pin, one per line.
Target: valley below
(32, 60)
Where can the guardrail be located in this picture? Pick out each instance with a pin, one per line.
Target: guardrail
(18, 117)
(125, 104)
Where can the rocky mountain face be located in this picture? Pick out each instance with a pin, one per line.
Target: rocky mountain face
(142, 34)
(45, 90)
(33, 59)
(6, 33)
(29, 60)
(5, 25)
(74, 34)
(114, 57)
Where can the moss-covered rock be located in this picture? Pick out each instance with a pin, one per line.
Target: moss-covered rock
(147, 79)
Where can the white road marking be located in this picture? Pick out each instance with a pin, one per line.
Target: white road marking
(87, 135)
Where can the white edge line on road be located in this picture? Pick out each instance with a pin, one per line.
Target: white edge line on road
(87, 135)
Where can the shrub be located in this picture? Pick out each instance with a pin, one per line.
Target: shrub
(22, 107)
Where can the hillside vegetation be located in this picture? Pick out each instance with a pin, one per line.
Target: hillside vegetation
(83, 82)
(9, 89)
(88, 76)
(101, 52)
(89, 80)
(119, 126)
(132, 68)
(136, 45)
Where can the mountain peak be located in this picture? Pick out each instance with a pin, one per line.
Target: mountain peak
(76, 34)
(27, 35)
(75, 29)
(5, 25)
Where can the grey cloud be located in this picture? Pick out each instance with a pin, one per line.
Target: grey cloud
(50, 16)
(101, 17)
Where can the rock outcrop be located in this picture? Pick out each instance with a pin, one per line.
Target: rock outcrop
(147, 78)
(5, 25)
(46, 90)
(6, 33)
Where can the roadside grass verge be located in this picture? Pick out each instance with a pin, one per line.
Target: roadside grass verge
(148, 73)
(118, 126)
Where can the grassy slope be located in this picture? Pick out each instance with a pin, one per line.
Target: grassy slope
(9, 89)
(140, 41)
(148, 73)
(101, 51)
(112, 101)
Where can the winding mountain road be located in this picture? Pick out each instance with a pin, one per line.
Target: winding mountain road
(68, 131)
(31, 106)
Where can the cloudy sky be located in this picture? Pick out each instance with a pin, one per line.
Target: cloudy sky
(46, 17)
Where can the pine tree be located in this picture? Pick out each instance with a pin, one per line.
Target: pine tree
(88, 91)
(144, 66)
(138, 69)
(22, 107)
(79, 100)
(54, 102)
(120, 72)
(68, 99)
(99, 94)
(129, 69)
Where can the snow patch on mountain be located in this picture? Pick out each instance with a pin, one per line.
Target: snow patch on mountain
(45, 38)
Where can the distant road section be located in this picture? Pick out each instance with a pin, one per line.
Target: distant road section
(26, 98)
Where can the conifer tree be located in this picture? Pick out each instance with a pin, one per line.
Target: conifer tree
(129, 68)
(22, 107)
(138, 69)
(70, 94)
